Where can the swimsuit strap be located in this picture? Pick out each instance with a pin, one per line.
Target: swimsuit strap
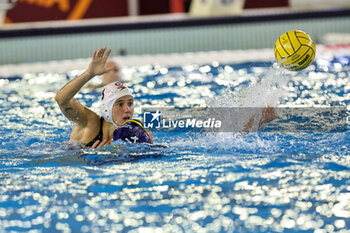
(99, 135)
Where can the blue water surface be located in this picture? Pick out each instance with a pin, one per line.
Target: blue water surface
(272, 180)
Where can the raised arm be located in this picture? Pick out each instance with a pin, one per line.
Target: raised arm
(70, 107)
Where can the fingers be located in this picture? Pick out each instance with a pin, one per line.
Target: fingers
(107, 54)
(104, 143)
(101, 51)
(95, 144)
(99, 144)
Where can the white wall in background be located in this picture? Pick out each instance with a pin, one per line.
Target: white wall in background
(318, 4)
(216, 7)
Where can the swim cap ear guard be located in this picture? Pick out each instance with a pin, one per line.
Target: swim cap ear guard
(111, 93)
(132, 131)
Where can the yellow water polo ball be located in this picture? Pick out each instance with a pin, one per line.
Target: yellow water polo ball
(295, 50)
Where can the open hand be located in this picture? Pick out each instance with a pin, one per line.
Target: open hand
(98, 63)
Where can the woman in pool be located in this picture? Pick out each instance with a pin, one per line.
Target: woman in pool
(117, 109)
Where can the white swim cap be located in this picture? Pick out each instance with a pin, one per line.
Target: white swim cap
(111, 93)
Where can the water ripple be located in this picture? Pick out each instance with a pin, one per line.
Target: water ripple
(267, 181)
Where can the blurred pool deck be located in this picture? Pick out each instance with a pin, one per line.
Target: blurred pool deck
(163, 34)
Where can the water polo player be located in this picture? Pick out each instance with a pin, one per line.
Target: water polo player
(117, 108)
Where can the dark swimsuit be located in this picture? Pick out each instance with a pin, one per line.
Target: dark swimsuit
(98, 137)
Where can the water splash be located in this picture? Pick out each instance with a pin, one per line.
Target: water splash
(264, 181)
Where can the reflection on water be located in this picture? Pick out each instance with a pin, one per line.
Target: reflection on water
(191, 182)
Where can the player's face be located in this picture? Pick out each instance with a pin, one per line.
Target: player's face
(123, 109)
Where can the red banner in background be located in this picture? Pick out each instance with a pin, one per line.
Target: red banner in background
(44, 10)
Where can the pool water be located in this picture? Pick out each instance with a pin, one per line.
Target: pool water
(267, 181)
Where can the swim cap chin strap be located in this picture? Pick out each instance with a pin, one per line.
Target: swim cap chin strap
(111, 93)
